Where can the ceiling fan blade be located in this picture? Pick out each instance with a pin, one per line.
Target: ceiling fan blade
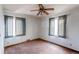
(45, 12)
(41, 6)
(38, 13)
(41, 12)
(49, 9)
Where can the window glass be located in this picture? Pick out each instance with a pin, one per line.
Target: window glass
(52, 26)
(57, 26)
(14, 26)
(19, 26)
(8, 26)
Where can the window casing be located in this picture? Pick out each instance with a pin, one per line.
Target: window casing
(20, 26)
(14, 26)
(8, 26)
(62, 26)
(57, 26)
(51, 26)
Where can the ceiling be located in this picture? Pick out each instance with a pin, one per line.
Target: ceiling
(26, 8)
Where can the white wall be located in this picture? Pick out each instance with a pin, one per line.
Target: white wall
(32, 27)
(32, 30)
(1, 31)
(72, 40)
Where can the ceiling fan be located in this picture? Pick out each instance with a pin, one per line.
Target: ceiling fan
(42, 10)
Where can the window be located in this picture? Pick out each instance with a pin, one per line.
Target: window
(52, 26)
(62, 26)
(20, 26)
(57, 26)
(8, 26)
(14, 26)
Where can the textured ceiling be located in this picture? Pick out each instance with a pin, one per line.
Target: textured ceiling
(25, 8)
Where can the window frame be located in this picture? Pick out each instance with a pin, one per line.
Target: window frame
(24, 26)
(50, 19)
(6, 25)
(65, 21)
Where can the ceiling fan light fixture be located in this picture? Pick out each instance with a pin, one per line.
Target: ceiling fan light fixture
(42, 10)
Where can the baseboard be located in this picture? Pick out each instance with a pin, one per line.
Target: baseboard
(17, 43)
(38, 39)
(60, 45)
(43, 40)
(23, 42)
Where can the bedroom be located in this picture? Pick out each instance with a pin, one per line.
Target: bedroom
(23, 30)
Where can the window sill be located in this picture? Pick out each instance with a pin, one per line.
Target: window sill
(14, 36)
(61, 37)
